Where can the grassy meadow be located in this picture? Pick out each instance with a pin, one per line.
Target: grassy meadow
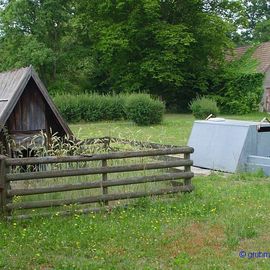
(205, 229)
(175, 129)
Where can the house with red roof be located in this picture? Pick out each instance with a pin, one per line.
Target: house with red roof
(262, 55)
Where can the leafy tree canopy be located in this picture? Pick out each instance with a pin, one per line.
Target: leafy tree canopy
(169, 48)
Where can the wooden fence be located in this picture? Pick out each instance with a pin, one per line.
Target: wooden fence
(8, 175)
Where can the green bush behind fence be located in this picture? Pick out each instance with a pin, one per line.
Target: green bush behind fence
(139, 108)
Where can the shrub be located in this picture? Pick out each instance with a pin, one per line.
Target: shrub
(201, 107)
(242, 94)
(144, 110)
(140, 108)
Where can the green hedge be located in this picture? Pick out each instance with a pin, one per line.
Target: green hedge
(242, 94)
(140, 108)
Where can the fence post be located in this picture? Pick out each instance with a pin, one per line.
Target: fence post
(187, 169)
(3, 185)
(104, 179)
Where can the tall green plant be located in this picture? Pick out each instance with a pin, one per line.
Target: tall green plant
(243, 94)
(239, 87)
(201, 107)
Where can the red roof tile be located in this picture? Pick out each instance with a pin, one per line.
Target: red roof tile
(261, 53)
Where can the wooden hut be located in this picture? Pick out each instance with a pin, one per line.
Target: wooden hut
(26, 108)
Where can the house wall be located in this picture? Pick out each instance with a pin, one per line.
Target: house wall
(28, 117)
(266, 94)
(29, 113)
(53, 125)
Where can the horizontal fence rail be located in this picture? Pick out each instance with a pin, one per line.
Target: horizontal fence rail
(116, 155)
(11, 172)
(93, 199)
(90, 171)
(97, 184)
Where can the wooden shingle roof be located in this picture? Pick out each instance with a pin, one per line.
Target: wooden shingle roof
(261, 53)
(12, 85)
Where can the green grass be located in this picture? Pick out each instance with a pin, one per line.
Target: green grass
(175, 129)
(202, 230)
(205, 229)
(142, 187)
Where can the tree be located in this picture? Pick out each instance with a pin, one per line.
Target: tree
(254, 13)
(167, 48)
(262, 31)
(32, 33)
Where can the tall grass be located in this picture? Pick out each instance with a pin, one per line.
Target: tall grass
(69, 147)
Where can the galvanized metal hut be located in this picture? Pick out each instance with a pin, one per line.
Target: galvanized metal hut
(231, 145)
(26, 108)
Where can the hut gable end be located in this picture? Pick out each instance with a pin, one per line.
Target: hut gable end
(25, 105)
(29, 113)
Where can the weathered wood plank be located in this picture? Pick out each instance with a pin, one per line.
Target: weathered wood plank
(187, 169)
(95, 199)
(90, 171)
(4, 187)
(115, 155)
(104, 180)
(3, 199)
(98, 184)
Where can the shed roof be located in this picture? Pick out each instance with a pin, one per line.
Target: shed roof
(261, 53)
(12, 85)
